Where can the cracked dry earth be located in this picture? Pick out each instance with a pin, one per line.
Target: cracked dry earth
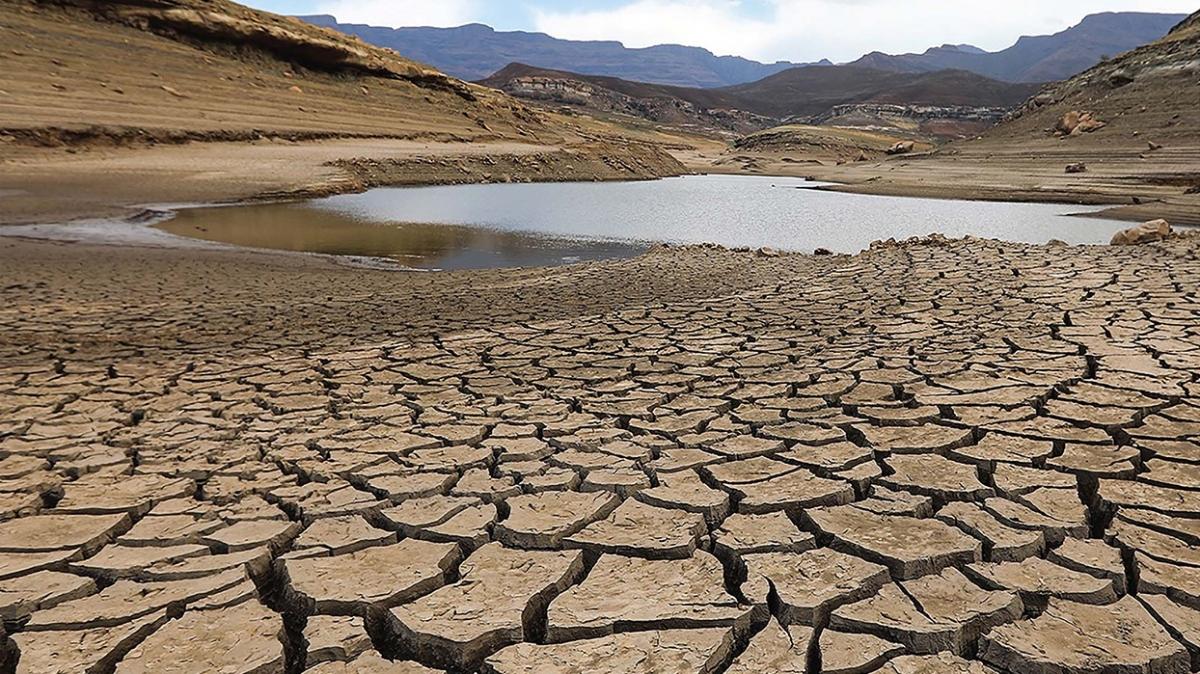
(931, 457)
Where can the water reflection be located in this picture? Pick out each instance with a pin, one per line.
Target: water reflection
(300, 227)
(551, 223)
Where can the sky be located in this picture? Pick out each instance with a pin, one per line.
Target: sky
(764, 30)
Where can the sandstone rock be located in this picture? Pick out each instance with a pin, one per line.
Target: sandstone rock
(1147, 232)
(1075, 122)
(901, 147)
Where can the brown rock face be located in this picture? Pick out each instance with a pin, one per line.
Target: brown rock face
(1147, 232)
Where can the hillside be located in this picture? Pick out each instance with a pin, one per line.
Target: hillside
(1149, 94)
(799, 92)
(1140, 153)
(703, 110)
(1046, 58)
(814, 90)
(93, 94)
(215, 69)
(475, 51)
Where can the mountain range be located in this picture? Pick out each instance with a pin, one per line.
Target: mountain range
(1045, 58)
(476, 51)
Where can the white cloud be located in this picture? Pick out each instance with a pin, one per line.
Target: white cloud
(437, 13)
(842, 30)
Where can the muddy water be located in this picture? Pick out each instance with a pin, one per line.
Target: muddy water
(537, 224)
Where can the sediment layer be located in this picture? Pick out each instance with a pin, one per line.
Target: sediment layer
(935, 455)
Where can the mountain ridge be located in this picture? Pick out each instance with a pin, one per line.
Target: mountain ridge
(476, 51)
(1040, 58)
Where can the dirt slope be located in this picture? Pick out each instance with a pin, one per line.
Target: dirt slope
(217, 69)
(83, 84)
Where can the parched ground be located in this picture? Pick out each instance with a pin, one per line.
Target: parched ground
(931, 457)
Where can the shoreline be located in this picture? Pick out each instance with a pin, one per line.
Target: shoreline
(142, 230)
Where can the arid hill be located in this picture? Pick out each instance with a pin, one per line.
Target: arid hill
(702, 109)
(475, 51)
(799, 92)
(1148, 95)
(264, 101)
(1129, 129)
(212, 67)
(814, 90)
(1042, 58)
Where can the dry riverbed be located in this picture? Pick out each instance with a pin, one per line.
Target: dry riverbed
(927, 455)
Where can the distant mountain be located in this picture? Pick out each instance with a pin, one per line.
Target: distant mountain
(1046, 58)
(475, 51)
(797, 92)
(808, 91)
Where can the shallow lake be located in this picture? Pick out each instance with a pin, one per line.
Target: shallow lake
(551, 223)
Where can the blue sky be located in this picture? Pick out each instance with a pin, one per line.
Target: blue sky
(767, 30)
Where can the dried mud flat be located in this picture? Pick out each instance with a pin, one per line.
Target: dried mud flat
(930, 457)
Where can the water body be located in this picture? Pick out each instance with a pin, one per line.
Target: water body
(468, 226)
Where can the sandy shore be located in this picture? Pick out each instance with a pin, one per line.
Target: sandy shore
(1135, 184)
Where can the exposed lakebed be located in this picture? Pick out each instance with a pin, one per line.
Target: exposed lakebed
(471, 226)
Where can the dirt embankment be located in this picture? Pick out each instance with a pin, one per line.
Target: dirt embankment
(575, 164)
(105, 105)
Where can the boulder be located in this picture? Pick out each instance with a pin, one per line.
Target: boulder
(1147, 232)
(1078, 167)
(1076, 122)
(902, 147)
